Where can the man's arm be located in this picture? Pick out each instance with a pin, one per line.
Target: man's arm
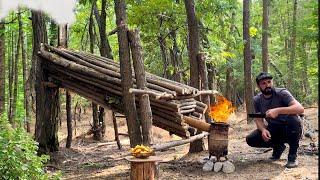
(294, 108)
(260, 124)
(266, 136)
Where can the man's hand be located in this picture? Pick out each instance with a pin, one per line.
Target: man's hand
(272, 113)
(266, 136)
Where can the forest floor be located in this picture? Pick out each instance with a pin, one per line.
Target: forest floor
(89, 159)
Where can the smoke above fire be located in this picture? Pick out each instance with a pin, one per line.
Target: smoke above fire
(62, 11)
(221, 111)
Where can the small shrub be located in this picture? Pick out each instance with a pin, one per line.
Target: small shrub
(18, 154)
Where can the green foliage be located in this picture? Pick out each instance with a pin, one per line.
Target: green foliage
(18, 154)
(222, 43)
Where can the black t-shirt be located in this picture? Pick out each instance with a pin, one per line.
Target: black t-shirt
(281, 97)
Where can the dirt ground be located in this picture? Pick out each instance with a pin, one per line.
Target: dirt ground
(88, 159)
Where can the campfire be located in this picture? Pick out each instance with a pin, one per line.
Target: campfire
(221, 111)
(218, 137)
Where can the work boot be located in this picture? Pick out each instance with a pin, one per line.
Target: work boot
(292, 164)
(292, 161)
(277, 152)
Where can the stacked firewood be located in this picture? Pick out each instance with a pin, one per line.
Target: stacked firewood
(99, 79)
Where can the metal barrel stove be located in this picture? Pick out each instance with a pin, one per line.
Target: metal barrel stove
(218, 135)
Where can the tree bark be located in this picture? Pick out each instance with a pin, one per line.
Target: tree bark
(97, 135)
(96, 126)
(291, 64)
(193, 43)
(116, 132)
(53, 39)
(105, 48)
(102, 122)
(193, 50)
(229, 73)
(163, 49)
(204, 84)
(175, 57)
(305, 79)
(105, 51)
(212, 80)
(2, 67)
(11, 79)
(46, 130)
(69, 119)
(144, 103)
(63, 42)
(126, 74)
(229, 80)
(26, 85)
(16, 71)
(265, 32)
(247, 58)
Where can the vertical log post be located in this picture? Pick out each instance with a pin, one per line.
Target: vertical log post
(63, 42)
(145, 109)
(46, 128)
(193, 50)
(126, 74)
(116, 132)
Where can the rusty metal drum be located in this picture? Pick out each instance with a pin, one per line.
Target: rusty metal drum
(218, 139)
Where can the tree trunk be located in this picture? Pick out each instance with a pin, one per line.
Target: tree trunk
(144, 103)
(175, 57)
(16, 70)
(229, 80)
(193, 43)
(105, 48)
(204, 84)
(15, 83)
(11, 79)
(212, 80)
(46, 130)
(53, 39)
(163, 49)
(126, 74)
(27, 119)
(247, 58)
(102, 122)
(193, 49)
(91, 31)
(96, 126)
(2, 67)
(63, 42)
(97, 135)
(265, 31)
(305, 80)
(116, 132)
(105, 51)
(164, 55)
(69, 119)
(291, 73)
(229, 73)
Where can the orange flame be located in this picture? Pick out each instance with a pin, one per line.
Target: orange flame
(221, 111)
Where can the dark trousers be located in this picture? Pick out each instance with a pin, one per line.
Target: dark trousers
(287, 132)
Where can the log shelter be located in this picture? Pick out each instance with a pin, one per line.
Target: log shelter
(99, 80)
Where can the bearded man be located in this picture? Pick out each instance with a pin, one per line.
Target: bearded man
(278, 122)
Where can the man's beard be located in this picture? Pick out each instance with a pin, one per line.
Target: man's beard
(267, 91)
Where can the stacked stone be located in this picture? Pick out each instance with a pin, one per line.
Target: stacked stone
(215, 165)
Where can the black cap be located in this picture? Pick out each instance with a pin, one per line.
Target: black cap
(263, 76)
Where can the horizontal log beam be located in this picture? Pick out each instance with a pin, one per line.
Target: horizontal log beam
(163, 146)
